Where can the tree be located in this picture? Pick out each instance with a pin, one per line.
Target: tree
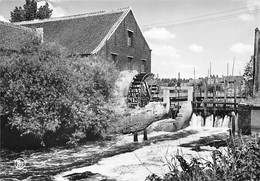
(29, 12)
(248, 76)
(17, 14)
(44, 12)
(53, 96)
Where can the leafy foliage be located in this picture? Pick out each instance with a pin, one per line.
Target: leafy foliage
(44, 12)
(29, 12)
(248, 75)
(218, 86)
(200, 85)
(171, 82)
(92, 90)
(17, 14)
(51, 96)
(241, 162)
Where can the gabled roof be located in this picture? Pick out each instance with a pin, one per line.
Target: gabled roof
(11, 36)
(85, 33)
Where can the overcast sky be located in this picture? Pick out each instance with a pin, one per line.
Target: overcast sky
(183, 34)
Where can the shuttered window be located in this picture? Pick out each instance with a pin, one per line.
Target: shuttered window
(130, 37)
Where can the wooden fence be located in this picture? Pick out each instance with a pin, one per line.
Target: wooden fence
(218, 99)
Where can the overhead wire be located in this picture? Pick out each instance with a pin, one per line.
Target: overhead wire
(205, 20)
(201, 19)
(184, 19)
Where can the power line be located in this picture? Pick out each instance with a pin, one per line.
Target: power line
(201, 20)
(184, 19)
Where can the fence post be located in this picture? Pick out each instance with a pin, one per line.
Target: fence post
(225, 93)
(214, 100)
(135, 136)
(235, 94)
(145, 135)
(166, 98)
(240, 91)
(205, 101)
(233, 123)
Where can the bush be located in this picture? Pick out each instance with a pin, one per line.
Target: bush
(92, 92)
(241, 162)
(248, 77)
(46, 94)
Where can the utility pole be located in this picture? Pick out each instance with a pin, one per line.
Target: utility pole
(233, 66)
(178, 90)
(194, 72)
(227, 68)
(210, 72)
(210, 68)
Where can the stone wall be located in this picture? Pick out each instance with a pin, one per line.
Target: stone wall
(244, 118)
(255, 117)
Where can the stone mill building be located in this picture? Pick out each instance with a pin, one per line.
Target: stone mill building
(113, 35)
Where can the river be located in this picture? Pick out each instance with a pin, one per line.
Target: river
(118, 158)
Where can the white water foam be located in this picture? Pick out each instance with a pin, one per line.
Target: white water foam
(197, 121)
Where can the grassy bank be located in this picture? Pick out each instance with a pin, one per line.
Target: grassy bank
(240, 161)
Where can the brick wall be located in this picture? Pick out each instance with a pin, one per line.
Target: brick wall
(117, 44)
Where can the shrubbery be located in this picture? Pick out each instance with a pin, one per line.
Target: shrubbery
(55, 98)
(241, 162)
(248, 77)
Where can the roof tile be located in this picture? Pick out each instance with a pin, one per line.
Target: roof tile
(84, 34)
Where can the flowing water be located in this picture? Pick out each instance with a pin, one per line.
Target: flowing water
(220, 121)
(44, 164)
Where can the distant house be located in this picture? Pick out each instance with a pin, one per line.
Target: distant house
(113, 35)
(231, 79)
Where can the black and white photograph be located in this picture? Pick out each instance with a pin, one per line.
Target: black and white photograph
(130, 90)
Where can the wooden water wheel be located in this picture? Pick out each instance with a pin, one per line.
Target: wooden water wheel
(143, 89)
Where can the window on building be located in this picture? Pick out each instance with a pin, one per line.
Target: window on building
(114, 57)
(130, 36)
(143, 65)
(130, 63)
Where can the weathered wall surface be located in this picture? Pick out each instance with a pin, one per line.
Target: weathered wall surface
(244, 118)
(122, 87)
(139, 119)
(118, 44)
(255, 118)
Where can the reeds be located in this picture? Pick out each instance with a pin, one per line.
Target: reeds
(239, 162)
